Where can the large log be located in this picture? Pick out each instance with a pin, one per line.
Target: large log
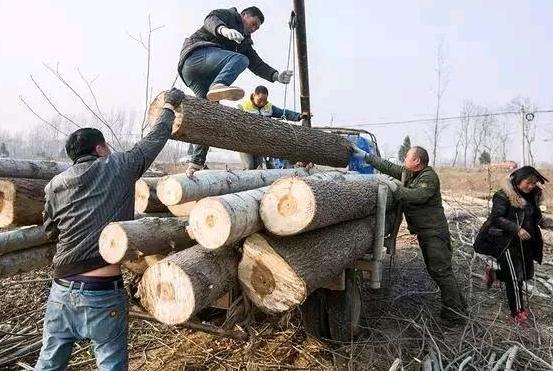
(278, 273)
(180, 188)
(145, 197)
(180, 285)
(296, 205)
(21, 201)
(31, 169)
(202, 122)
(26, 260)
(22, 238)
(121, 241)
(223, 220)
(182, 210)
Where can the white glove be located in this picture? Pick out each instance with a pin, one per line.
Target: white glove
(231, 34)
(391, 182)
(285, 76)
(358, 152)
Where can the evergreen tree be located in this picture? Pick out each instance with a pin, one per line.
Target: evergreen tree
(485, 158)
(404, 148)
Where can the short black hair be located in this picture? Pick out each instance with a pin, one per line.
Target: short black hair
(261, 90)
(421, 154)
(83, 142)
(254, 12)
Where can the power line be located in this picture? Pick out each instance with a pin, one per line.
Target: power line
(447, 118)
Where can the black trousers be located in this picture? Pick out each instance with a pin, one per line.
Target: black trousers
(516, 266)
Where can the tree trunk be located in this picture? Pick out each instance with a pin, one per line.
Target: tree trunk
(223, 220)
(23, 238)
(279, 273)
(201, 122)
(297, 205)
(182, 209)
(121, 241)
(180, 285)
(31, 169)
(180, 188)
(26, 260)
(145, 197)
(21, 201)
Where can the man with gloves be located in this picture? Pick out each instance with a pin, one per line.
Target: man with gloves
(421, 201)
(215, 55)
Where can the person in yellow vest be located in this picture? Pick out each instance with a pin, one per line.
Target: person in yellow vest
(258, 104)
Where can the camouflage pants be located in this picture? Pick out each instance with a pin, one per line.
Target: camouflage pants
(436, 251)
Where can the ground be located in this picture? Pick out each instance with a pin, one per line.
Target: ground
(399, 321)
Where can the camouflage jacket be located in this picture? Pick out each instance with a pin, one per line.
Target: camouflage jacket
(420, 197)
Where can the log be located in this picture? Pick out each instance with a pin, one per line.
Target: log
(278, 273)
(26, 260)
(296, 205)
(182, 210)
(31, 169)
(139, 265)
(180, 188)
(223, 220)
(145, 197)
(201, 122)
(120, 241)
(21, 201)
(182, 284)
(23, 238)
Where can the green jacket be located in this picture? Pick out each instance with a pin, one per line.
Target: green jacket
(420, 197)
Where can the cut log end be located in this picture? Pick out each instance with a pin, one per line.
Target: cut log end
(288, 207)
(7, 197)
(276, 289)
(210, 223)
(169, 191)
(113, 243)
(155, 110)
(182, 210)
(166, 293)
(142, 195)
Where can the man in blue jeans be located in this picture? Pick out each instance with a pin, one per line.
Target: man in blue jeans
(215, 55)
(87, 299)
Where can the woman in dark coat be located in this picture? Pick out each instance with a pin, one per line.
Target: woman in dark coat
(512, 235)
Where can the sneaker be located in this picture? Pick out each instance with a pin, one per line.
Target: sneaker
(489, 277)
(192, 168)
(218, 92)
(520, 319)
(523, 316)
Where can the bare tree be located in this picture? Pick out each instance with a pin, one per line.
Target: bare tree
(481, 131)
(441, 85)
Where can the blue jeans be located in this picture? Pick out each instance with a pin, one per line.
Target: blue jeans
(205, 67)
(73, 314)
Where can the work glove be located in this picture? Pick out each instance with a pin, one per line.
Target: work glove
(285, 76)
(392, 183)
(358, 152)
(174, 97)
(231, 34)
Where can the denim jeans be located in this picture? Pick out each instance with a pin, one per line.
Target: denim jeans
(73, 314)
(205, 67)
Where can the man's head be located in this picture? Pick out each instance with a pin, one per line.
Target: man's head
(260, 96)
(416, 159)
(86, 141)
(252, 19)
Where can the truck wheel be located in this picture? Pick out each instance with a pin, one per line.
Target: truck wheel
(344, 309)
(314, 314)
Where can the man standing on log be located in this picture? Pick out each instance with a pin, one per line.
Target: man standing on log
(214, 56)
(258, 104)
(421, 200)
(87, 299)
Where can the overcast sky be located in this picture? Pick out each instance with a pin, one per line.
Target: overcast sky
(370, 61)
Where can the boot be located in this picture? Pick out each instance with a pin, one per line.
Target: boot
(218, 92)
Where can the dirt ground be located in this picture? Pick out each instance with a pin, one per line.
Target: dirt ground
(399, 321)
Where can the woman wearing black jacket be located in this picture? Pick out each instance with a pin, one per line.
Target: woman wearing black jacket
(512, 235)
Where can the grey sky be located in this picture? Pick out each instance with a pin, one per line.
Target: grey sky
(369, 61)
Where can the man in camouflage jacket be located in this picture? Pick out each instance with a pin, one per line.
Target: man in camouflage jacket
(421, 201)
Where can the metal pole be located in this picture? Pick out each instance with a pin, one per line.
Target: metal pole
(299, 9)
(522, 132)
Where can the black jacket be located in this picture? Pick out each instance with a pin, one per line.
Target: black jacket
(207, 36)
(508, 213)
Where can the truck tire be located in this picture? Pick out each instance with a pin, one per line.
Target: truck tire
(344, 309)
(314, 315)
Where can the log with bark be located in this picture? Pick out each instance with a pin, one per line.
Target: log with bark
(201, 122)
(26, 260)
(278, 273)
(296, 205)
(31, 169)
(180, 188)
(145, 197)
(223, 220)
(180, 285)
(21, 201)
(22, 238)
(120, 241)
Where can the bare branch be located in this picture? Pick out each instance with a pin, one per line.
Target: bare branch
(89, 85)
(40, 117)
